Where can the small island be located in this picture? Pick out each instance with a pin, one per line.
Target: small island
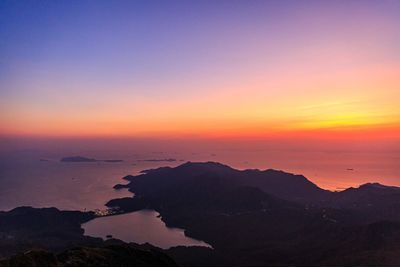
(77, 159)
(85, 159)
(158, 160)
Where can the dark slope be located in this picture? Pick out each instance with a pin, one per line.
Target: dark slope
(373, 201)
(49, 228)
(365, 195)
(40, 235)
(108, 256)
(285, 185)
(277, 183)
(232, 211)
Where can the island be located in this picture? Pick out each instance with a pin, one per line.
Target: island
(85, 159)
(249, 217)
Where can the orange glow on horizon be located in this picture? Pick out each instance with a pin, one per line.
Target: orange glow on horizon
(330, 90)
(220, 130)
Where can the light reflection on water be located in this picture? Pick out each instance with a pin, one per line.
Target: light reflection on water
(139, 227)
(26, 180)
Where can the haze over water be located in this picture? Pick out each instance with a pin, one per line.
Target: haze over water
(306, 87)
(26, 180)
(310, 88)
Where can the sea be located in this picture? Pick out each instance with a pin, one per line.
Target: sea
(31, 174)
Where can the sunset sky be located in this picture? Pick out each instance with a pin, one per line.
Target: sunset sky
(205, 68)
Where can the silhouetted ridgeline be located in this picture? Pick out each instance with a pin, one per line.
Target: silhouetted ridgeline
(250, 217)
(273, 218)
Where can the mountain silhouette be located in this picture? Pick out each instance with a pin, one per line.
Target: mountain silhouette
(271, 218)
(249, 217)
(277, 183)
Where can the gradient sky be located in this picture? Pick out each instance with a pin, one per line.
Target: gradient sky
(205, 68)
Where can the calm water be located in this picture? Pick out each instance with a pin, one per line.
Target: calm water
(140, 227)
(26, 180)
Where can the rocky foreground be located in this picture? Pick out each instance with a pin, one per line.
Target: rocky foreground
(115, 255)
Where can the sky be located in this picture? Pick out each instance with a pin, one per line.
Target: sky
(223, 69)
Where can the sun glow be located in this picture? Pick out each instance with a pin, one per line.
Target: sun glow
(302, 79)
